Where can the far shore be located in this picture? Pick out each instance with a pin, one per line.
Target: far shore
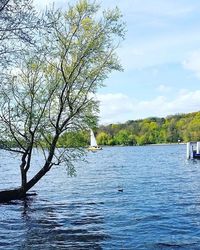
(166, 144)
(156, 144)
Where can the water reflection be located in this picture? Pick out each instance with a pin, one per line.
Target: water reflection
(61, 225)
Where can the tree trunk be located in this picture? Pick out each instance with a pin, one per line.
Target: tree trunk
(23, 177)
(36, 178)
(19, 193)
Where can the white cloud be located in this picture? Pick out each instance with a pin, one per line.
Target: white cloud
(115, 107)
(120, 108)
(158, 49)
(193, 62)
(164, 88)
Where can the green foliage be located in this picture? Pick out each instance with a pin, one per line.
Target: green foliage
(139, 132)
(122, 137)
(52, 94)
(103, 138)
(73, 139)
(47, 99)
(184, 127)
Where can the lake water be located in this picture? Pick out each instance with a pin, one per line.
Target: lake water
(159, 207)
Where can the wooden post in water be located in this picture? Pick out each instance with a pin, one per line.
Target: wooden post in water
(198, 147)
(188, 151)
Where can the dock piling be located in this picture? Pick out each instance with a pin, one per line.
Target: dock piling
(198, 147)
(193, 150)
(188, 151)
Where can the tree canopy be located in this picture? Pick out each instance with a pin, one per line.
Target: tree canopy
(53, 91)
(18, 22)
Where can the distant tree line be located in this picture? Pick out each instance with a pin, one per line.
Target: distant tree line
(172, 129)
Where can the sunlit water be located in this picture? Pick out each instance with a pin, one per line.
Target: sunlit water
(159, 207)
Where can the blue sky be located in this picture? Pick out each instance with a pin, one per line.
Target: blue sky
(161, 60)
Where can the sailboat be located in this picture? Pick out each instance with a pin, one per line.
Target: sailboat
(93, 143)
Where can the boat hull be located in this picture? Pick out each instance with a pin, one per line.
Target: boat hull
(94, 148)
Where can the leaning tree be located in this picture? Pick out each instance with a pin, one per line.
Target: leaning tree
(53, 92)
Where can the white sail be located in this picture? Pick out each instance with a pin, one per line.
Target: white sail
(93, 142)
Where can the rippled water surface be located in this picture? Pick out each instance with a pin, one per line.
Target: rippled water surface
(159, 207)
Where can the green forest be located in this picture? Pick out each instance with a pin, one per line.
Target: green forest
(172, 129)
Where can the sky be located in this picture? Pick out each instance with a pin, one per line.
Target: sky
(160, 56)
